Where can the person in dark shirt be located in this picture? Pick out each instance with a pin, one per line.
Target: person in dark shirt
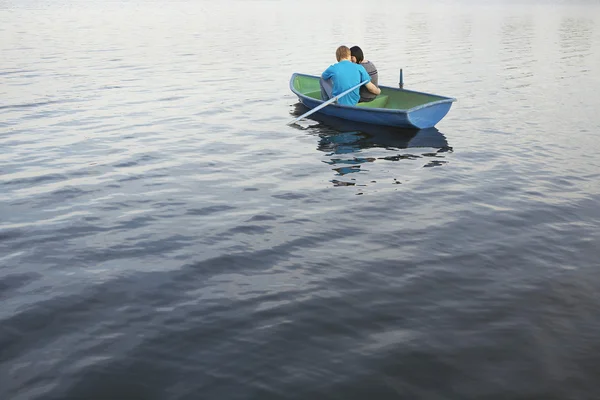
(358, 57)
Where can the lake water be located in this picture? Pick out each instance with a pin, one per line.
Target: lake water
(165, 235)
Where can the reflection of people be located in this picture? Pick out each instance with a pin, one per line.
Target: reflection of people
(358, 57)
(342, 76)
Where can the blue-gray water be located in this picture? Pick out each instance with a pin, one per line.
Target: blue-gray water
(164, 234)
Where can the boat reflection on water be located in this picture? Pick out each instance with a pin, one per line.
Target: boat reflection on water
(351, 145)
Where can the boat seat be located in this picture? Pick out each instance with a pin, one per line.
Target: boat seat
(379, 102)
(314, 95)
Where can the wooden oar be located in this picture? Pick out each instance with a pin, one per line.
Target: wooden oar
(328, 102)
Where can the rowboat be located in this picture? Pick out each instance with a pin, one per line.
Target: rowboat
(361, 135)
(393, 107)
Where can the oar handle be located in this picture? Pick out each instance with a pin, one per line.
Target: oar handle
(328, 102)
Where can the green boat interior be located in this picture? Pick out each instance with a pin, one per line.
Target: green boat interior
(389, 98)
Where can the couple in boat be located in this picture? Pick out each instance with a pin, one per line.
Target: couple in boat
(350, 70)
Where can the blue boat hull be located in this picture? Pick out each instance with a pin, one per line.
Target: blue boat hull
(423, 116)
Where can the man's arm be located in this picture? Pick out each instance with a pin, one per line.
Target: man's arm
(328, 73)
(372, 88)
(365, 77)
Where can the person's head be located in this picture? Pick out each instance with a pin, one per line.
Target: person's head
(342, 53)
(356, 54)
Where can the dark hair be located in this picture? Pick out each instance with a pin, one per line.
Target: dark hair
(357, 52)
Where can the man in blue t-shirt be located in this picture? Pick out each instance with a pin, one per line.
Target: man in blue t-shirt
(345, 74)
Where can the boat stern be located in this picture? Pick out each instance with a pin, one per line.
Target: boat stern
(428, 117)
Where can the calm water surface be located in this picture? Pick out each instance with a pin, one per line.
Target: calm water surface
(164, 234)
